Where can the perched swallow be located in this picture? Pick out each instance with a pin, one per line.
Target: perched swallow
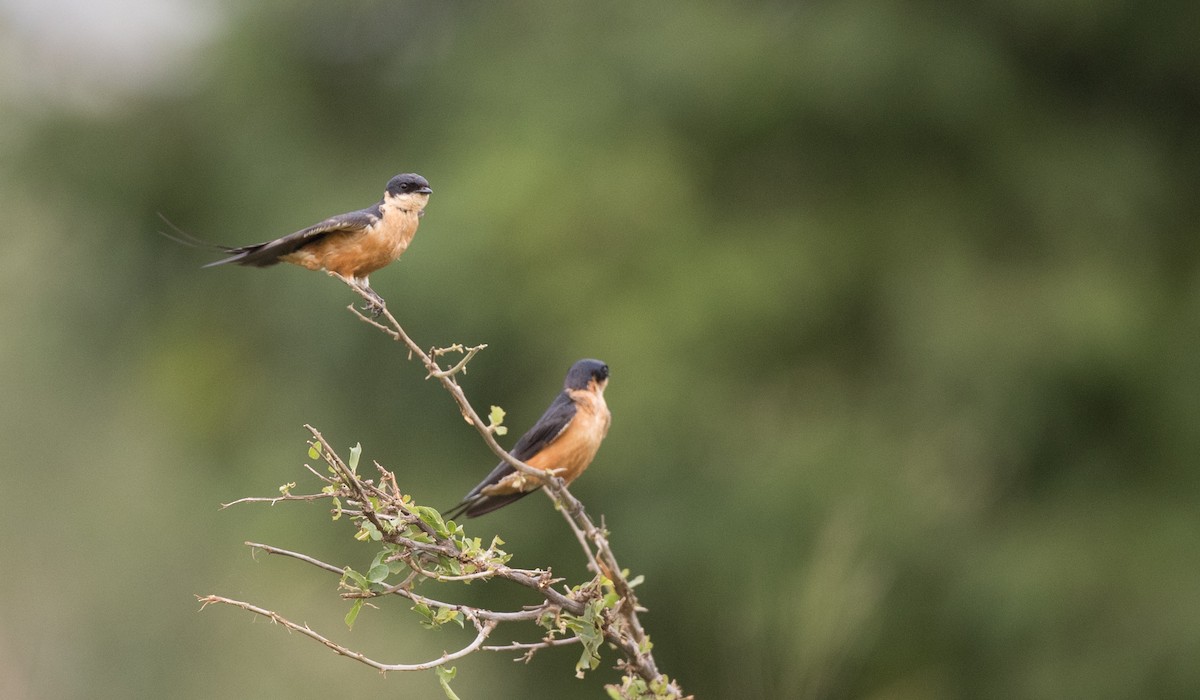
(563, 442)
(348, 246)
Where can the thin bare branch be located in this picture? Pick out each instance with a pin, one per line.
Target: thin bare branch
(296, 555)
(467, 610)
(579, 532)
(484, 629)
(272, 500)
(531, 646)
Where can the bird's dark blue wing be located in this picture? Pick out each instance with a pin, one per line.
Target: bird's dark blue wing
(269, 253)
(549, 426)
(552, 423)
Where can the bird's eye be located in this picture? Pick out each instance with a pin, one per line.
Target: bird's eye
(404, 186)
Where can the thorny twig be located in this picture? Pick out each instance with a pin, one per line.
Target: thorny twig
(484, 628)
(468, 353)
(386, 510)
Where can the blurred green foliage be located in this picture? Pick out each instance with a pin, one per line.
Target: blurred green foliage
(901, 299)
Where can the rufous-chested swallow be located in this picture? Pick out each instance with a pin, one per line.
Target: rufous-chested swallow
(563, 442)
(348, 246)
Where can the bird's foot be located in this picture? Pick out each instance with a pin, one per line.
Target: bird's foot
(374, 306)
(374, 303)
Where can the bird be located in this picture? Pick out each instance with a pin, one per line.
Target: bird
(563, 442)
(348, 246)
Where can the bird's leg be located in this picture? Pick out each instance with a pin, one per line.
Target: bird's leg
(374, 304)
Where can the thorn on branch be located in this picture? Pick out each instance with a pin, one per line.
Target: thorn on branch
(462, 364)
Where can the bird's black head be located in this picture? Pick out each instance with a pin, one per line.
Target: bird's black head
(408, 183)
(585, 371)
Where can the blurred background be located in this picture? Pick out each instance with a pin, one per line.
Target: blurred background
(901, 300)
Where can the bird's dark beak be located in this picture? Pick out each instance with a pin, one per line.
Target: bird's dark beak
(425, 190)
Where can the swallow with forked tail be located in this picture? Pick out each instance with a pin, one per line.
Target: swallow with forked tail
(348, 246)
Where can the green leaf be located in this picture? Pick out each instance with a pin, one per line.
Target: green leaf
(587, 661)
(496, 420)
(378, 573)
(368, 531)
(355, 452)
(433, 519)
(446, 565)
(314, 451)
(587, 628)
(424, 611)
(445, 615)
(444, 676)
(353, 614)
(419, 536)
(358, 579)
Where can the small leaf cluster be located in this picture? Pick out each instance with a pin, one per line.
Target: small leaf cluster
(416, 542)
(408, 549)
(602, 601)
(589, 627)
(634, 687)
(496, 421)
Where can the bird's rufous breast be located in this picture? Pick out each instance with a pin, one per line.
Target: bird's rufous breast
(360, 253)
